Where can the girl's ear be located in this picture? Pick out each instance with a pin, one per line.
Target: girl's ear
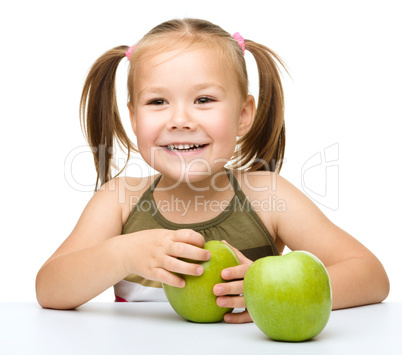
(246, 116)
(132, 118)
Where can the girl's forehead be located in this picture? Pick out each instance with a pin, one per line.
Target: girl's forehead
(148, 58)
(200, 57)
(184, 72)
(158, 57)
(171, 50)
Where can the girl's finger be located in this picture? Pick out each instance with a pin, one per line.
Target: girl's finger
(235, 272)
(242, 258)
(188, 251)
(168, 278)
(188, 236)
(228, 288)
(242, 317)
(182, 267)
(231, 301)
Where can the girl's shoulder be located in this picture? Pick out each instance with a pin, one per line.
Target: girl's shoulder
(256, 184)
(270, 190)
(260, 184)
(128, 191)
(269, 195)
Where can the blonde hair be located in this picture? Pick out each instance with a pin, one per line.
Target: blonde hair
(262, 148)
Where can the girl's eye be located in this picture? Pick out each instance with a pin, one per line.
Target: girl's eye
(157, 102)
(203, 100)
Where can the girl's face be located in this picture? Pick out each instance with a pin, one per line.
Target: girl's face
(188, 112)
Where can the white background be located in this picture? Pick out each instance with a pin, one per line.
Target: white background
(345, 95)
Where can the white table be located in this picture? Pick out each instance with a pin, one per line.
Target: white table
(154, 328)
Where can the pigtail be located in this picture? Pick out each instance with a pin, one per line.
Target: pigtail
(99, 114)
(263, 147)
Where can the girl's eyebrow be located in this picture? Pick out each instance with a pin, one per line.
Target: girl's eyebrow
(204, 86)
(196, 87)
(152, 90)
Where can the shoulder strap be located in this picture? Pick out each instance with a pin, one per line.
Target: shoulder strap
(246, 205)
(236, 186)
(153, 185)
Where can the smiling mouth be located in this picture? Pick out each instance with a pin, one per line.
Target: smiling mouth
(184, 147)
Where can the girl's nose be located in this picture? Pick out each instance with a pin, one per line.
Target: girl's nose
(181, 120)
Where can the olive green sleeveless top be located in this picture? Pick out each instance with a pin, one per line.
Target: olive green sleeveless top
(238, 224)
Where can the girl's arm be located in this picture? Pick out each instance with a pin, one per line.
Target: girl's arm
(357, 276)
(96, 256)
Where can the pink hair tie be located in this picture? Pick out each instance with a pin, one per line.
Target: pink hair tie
(240, 40)
(129, 52)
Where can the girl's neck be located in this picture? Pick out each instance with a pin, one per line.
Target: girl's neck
(210, 196)
(211, 185)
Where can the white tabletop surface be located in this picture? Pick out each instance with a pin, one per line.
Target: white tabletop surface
(154, 328)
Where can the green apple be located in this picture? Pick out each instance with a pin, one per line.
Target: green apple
(196, 301)
(288, 297)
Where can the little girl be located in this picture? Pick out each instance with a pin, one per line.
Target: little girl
(218, 157)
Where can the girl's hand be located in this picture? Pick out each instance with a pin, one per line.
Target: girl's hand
(154, 254)
(230, 294)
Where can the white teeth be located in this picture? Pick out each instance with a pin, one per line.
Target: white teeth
(184, 147)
